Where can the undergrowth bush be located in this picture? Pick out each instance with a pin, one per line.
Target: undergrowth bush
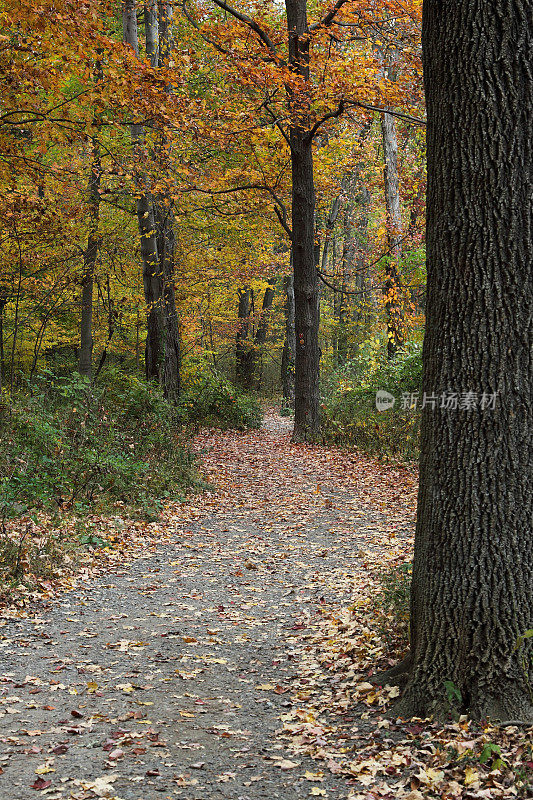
(210, 399)
(350, 416)
(67, 445)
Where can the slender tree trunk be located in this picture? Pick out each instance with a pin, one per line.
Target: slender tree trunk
(392, 286)
(330, 225)
(472, 592)
(152, 279)
(166, 234)
(151, 31)
(243, 357)
(361, 258)
(289, 346)
(306, 288)
(112, 319)
(91, 254)
(261, 334)
(347, 265)
(3, 302)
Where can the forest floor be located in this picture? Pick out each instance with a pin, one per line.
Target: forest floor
(224, 651)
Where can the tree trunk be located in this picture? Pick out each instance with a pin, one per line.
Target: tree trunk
(151, 32)
(289, 346)
(361, 301)
(172, 349)
(3, 302)
(472, 593)
(261, 333)
(164, 216)
(152, 280)
(90, 256)
(347, 265)
(242, 342)
(306, 289)
(392, 286)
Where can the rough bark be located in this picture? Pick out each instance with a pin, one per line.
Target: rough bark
(306, 286)
(392, 287)
(289, 346)
(472, 594)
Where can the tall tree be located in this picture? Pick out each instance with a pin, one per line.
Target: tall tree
(147, 230)
(472, 590)
(289, 345)
(155, 217)
(242, 346)
(166, 237)
(93, 241)
(391, 288)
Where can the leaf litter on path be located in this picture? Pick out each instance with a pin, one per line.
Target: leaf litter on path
(225, 650)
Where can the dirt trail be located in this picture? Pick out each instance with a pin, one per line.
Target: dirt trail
(167, 676)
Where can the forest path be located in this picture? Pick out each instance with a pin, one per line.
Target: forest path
(166, 676)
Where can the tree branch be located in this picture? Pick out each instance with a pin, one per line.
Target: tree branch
(341, 291)
(331, 115)
(406, 117)
(276, 121)
(252, 24)
(193, 22)
(328, 18)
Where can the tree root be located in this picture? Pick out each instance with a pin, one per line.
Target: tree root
(396, 675)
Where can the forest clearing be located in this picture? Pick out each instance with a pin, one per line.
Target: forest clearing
(266, 414)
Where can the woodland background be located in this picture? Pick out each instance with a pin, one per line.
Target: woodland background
(116, 117)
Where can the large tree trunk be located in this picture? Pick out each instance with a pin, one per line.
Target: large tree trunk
(392, 286)
(472, 595)
(289, 346)
(306, 288)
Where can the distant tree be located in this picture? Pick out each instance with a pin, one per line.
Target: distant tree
(472, 590)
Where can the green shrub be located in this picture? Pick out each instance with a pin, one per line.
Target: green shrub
(350, 415)
(212, 400)
(70, 445)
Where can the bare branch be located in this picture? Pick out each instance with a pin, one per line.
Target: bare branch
(399, 114)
